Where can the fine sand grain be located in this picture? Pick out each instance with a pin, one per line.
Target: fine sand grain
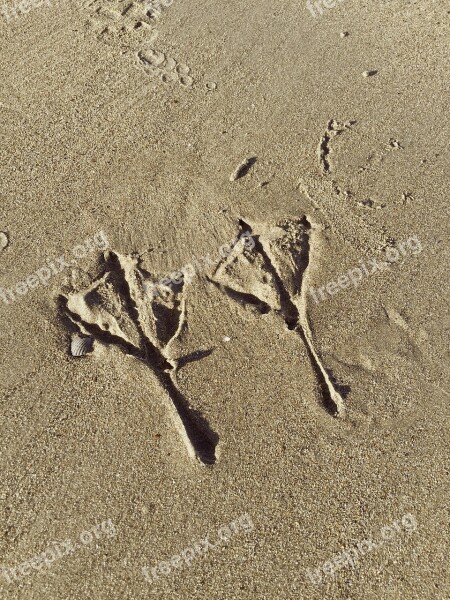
(224, 294)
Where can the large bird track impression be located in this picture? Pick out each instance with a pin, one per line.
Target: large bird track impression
(116, 309)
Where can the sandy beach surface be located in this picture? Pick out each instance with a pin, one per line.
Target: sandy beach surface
(224, 300)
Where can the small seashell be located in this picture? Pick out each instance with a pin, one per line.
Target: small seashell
(81, 345)
(369, 73)
(3, 240)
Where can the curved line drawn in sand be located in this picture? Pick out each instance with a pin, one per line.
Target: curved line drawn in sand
(115, 309)
(376, 158)
(271, 276)
(355, 176)
(324, 149)
(335, 128)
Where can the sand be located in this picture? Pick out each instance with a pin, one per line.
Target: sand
(235, 215)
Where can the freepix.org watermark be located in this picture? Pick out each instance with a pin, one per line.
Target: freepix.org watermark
(317, 7)
(198, 548)
(155, 7)
(350, 556)
(354, 276)
(43, 562)
(53, 267)
(9, 11)
(189, 271)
